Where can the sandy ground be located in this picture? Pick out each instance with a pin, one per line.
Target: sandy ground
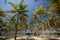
(34, 37)
(25, 37)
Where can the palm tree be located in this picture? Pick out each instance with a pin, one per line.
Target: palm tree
(3, 16)
(20, 9)
(38, 13)
(3, 13)
(54, 7)
(26, 26)
(3, 26)
(31, 24)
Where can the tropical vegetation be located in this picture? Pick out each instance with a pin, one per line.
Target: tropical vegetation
(41, 19)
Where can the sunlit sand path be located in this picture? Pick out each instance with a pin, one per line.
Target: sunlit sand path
(35, 38)
(26, 37)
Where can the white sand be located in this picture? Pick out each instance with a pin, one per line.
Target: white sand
(32, 37)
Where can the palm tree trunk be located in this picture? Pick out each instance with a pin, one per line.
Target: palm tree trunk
(25, 30)
(16, 27)
(43, 29)
(15, 33)
(42, 24)
(49, 26)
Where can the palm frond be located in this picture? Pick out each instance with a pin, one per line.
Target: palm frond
(13, 18)
(2, 13)
(20, 4)
(13, 5)
(24, 6)
(41, 8)
(25, 15)
(24, 11)
(49, 4)
(1, 10)
(39, 21)
(11, 11)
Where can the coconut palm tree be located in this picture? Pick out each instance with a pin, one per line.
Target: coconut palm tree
(26, 26)
(31, 24)
(39, 13)
(20, 10)
(3, 16)
(54, 7)
(3, 26)
(3, 13)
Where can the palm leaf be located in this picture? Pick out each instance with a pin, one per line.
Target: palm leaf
(49, 4)
(40, 8)
(25, 15)
(54, 9)
(24, 11)
(52, 2)
(36, 9)
(13, 5)
(11, 11)
(24, 6)
(20, 4)
(2, 13)
(39, 21)
(1, 10)
(13, 17)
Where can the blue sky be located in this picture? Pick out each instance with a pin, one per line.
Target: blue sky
(31, 5)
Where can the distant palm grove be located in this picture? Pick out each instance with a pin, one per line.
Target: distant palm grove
(20, 23)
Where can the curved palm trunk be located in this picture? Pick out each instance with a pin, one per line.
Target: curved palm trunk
(42, 25)
(49, 26)
(15, 33)
(25, 30)
(16, 27)
(42, 28)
